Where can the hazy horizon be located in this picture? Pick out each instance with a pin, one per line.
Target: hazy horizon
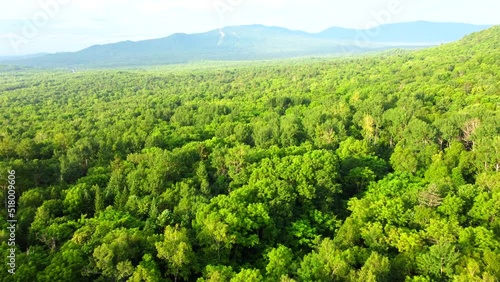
(50, 26)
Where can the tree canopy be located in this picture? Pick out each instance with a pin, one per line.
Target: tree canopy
(376, 168)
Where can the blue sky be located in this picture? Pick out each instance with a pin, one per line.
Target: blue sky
(32, 26)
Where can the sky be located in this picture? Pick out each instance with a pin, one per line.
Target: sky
(35, 26)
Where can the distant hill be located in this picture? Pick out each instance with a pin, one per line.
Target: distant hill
(254, 42)
(22, 57)
(420, 32)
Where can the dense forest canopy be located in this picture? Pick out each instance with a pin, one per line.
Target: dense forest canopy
(377, 168)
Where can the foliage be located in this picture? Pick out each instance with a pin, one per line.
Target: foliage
(374, 168)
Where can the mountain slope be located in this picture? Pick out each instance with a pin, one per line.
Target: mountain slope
(255, 42)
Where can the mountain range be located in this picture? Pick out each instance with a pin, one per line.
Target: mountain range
(253, 42)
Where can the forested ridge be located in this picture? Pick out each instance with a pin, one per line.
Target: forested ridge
(375, 168)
